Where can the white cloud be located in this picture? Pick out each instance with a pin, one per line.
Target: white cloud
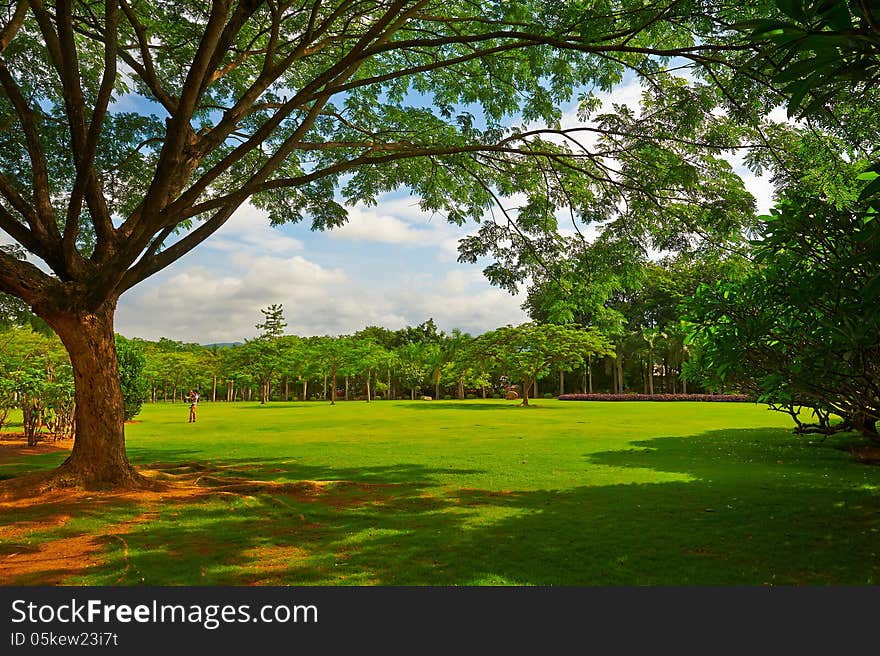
(761, 188)
(206, 305)
(383, 224)
(249, 229)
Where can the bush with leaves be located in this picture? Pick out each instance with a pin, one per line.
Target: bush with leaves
(803, 329)
(135, 386)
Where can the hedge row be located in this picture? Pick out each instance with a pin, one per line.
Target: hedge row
(741, 398)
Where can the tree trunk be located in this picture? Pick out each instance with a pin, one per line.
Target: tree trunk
(590, 374)
(461, 390)
(684, 386)
(368, 386)
(526, 385)
(650, 373)
(98, 459)
(436, 390)
(346, 388)
(305, 390)
(214, 388)
(333, 390)
(325, 386)
(620, 375)
(561, 382)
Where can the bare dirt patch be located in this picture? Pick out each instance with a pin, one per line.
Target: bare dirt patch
(869, 455)
(52, 562)
(28, 557)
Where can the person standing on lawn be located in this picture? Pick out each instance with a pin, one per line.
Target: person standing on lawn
(193, 398)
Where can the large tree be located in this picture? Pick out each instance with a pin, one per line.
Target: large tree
(288, 105)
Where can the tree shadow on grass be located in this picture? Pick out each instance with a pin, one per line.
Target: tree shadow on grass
(484, 406)
(287, 469)
(761, 507)
(18, 466)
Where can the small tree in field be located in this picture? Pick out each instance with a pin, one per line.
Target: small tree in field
(334, 354)
(135, 386)
(273, 324)
(532, 350)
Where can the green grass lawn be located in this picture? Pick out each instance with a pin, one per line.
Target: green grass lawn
(469, 493)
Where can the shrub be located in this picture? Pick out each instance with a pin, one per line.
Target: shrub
(734, 398)
(471, 396)
(446, 397)
(548, 395)
(135, 386)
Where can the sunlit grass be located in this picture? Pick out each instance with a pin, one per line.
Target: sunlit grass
(480, 493)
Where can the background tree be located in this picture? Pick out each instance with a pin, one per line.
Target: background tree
(366, 358)
(803, 329)
(804, 320)
(273, 324)
(135, 386)
(530, 351)
(334, 354)
(412, 365)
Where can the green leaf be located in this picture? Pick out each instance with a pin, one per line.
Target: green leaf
(800, 89)
(762, 29)
(871, 291)
(791, 8)
(870, 190)
(836, 15)
(805, 67)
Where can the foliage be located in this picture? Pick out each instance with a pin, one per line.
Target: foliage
(803, 329)
(703, 398)
(37, 379)
(273, 323)
(531, 350)
(135, 386)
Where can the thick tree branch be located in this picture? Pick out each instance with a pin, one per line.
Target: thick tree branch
(44, 225)
(99, 211)
(145, 69)
(23, 279)
(175, 163)
(11, 28)
(19, 232)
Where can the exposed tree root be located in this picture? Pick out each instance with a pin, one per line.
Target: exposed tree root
(69, 478)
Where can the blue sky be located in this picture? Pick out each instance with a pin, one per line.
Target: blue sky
(391, 265)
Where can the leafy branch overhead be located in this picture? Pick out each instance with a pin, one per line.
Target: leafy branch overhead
(287, 103)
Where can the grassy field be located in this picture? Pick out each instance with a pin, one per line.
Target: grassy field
(460, 493)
